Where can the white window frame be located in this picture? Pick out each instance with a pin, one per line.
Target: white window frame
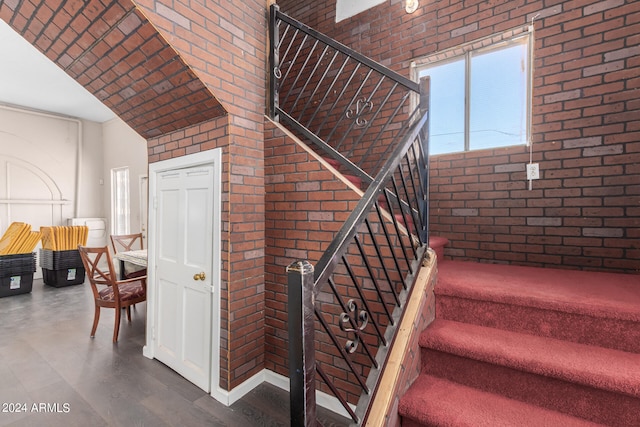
(120, 201)
(494, 42)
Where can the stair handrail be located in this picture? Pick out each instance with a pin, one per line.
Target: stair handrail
(338, 246)
(306, 283)
(358, 118)
(277, 15)
(379, 248)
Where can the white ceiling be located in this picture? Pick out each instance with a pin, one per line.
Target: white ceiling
(29, 79)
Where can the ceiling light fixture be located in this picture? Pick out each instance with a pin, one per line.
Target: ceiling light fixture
(410, 6)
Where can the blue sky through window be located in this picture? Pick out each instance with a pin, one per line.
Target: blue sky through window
(497, 100)
(446, 109)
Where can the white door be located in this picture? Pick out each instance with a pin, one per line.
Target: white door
(184, 218)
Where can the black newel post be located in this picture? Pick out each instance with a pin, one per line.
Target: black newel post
(302, 361)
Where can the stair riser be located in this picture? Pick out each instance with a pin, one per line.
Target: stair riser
(554, 394)
(439, 250)
(546, 323)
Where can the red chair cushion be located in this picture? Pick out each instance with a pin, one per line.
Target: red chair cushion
(128, 291)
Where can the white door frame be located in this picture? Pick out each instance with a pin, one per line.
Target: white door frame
(209, 157)
(143, 209)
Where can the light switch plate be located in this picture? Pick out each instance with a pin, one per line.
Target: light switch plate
(533, 171)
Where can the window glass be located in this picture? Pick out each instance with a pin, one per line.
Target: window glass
(446, 111)
(120, 205)
(479, 99)
(498, 108)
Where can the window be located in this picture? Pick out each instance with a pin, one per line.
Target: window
(479, 96)
(120, 205)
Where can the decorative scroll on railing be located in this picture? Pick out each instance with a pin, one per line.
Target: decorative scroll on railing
(361, 283)
(350, 107)
(344, 312)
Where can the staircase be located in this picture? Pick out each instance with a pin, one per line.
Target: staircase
(523, 346)
(371, 125)
(515, 346)
(437, 243)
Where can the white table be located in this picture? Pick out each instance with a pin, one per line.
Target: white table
(137, 257)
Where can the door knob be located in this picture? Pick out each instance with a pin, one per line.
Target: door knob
(199, 276)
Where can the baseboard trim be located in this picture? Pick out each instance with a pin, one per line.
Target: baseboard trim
(228, 398)
(322, 399)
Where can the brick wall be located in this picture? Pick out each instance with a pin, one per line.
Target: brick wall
(584, 212)
(206, 136)
(226, 47)
(305, 205)
(166, 68)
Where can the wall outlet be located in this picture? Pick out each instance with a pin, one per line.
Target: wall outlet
(533, 171)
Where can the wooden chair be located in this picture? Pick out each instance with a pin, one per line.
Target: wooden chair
(129, 242)
(108, 291)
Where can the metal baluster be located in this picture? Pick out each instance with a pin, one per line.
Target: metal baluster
(342, 351)
(302, 68)
(387, 235)
(347, 107)
(357, 118)
(364, 302)
(309, 77)
(333, 287)
(286, 52)
(371, 121)
(315, 90)
(338, 98)
(395, 224)
(328, 91)
(418, 191)
(336, 393)
(384, 266)
(373, 278)
(390, 147)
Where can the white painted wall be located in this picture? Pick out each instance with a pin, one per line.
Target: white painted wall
(38, 174)
(348, 8)
(124, 147)
(91, 172)
(46, 177)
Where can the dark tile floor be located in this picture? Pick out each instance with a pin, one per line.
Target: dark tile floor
(48, 359)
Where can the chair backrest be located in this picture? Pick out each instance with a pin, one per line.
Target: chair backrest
(127, 242)
(99, 267)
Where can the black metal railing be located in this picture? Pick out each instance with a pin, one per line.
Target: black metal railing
(344, 312)
(352, 108)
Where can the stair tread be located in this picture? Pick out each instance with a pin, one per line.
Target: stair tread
(597, 367)
(597, 294)
(434, 401)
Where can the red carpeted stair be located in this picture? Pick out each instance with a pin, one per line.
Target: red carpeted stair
(437, 243)
(523, 346)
